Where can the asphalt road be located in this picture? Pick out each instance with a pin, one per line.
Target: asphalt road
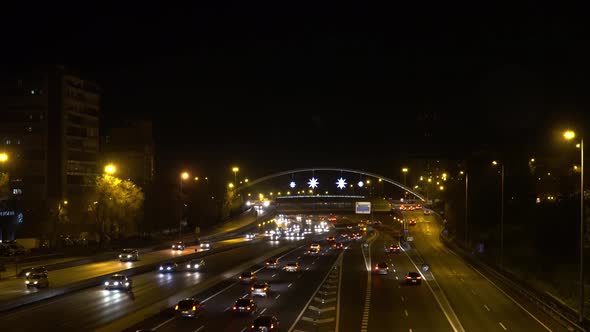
(289, 292)
(478, 303)
(86, 310)
(15, 287)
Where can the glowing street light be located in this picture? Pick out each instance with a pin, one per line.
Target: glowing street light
(230, 185)
(110, 169)
(235, 170)
(569, 134)
(441, 188)
(405, 171)
(184, 176)
(3, 157)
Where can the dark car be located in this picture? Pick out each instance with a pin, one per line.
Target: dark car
(338, 245)
(168, 267)
(178, 246)
(265, 323)
(413, 278)
(245, 306)
(127, 255)
(392, 248)
(195, 265)
(118, 281)
(272, 263)
(260, 288)
(35, 270)
(189, 307)
(412, 222)
(37, 280)
(312, 252)
(247, 277)
(382, 268)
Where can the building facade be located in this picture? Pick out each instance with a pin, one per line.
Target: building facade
(49, 127)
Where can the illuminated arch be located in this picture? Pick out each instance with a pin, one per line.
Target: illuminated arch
(301, 170)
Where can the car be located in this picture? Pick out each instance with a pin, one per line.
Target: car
(189, 308)
(314, 246)
(118, 281)
(392, 248)
(178, 246)
(250, 236)
(33, 270)
(168, 267)
(272, 263)
(330, 239)
(259, 288)
(274, 237)
(205, 245)
(247, 306)
(291, 267)
(338, 245)
(427, 212)
(265, 323)
(412, 222)
(413, 278)
(312, 252)
(247, 277)
(129, 254)
(382, 268)
(195, 264)
(37, 280)
(377, 222)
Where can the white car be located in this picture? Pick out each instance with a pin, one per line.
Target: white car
(260, 289)
(206, 245)
(291, 267)
(315, 246)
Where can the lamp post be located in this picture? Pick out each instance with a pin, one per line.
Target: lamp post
(569, 135)
(405, 171)
(466, 207)
(235, 170)
(495, 163)
(183, 176)
(110, 169)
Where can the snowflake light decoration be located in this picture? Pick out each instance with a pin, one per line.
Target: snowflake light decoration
(313, 183)
(341, 183)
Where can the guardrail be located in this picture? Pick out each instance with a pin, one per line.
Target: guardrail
(560, 312)
(95, 281)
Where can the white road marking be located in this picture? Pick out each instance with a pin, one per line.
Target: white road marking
(487, 308)
(403, 299)
(289, 285)
(274, 275)
(244, 329)
(406, 313)
(263, 310)
(504, 327)
(410, 330)
(473, 291)
(276, 297)
(396, 278)
(307, 268)
(243, 296)
(164, 323)
(200, 328)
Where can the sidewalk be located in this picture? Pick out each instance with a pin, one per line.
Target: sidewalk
(230, 227)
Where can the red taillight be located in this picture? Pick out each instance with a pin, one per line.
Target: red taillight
(240, 277)
(418, 277)
(376, 267)
(408, 277)
(272, 326)
(247, 308)
(234, 308)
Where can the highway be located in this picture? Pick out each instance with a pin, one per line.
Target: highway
(289, 292)
(14, 287)
(477, 302)
(91, 308)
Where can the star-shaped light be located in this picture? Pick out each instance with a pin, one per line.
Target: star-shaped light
(313, 183)
(292, 184)
(341, 183)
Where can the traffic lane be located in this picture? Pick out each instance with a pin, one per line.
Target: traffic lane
(94, 307)
(14, 288)
(353, 287)
(288, 293)
(474, 297)
(396, 305)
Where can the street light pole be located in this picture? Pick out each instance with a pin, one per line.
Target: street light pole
(466, 208)
(581, 230)
(502, 219)
(183, 176)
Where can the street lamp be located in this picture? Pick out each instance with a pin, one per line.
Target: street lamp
(235, 170)
(110, 169)
(3, 157)
(183, 176)
(495, 163)
(569, 135)
(230, 185)
(405, 171)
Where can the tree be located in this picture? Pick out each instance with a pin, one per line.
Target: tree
(117, 207)
(4, 187)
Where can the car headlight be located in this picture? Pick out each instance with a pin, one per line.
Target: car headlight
(27, 274)
(106, 283)
(116, 283)
(129, 256)
(161, 268)
(168, 268)
(188, 266)
(126, 284)
(27, 282)
(120, 256)
(196, 266)
(36, 282)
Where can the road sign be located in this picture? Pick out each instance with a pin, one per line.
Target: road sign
(410, 238)
(363, 207)
(425, 267)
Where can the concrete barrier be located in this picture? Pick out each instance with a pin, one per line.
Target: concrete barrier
(142, 314)
(95, 281)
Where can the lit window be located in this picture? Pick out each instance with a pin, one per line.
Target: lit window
(8, 141)
(29, 129)
(18, 141)
(32, 92)
(17, 191)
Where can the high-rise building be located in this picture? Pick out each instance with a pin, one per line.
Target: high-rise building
(49, 125)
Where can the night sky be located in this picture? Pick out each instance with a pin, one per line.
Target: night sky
(319, 84)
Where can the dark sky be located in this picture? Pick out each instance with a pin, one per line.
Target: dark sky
(324, 82)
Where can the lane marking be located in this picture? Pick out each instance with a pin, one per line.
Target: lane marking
(164, 323)
(244, 329)
(410, 330)
(396, 278)
(276, 297)
(487, 308)
(289, 285)
(243, 296)
(406, 312)
(274, 275)
(501, 290)
(504, 327)
(263, 310)
(403, 299)
(200, 328)
(473, 291)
